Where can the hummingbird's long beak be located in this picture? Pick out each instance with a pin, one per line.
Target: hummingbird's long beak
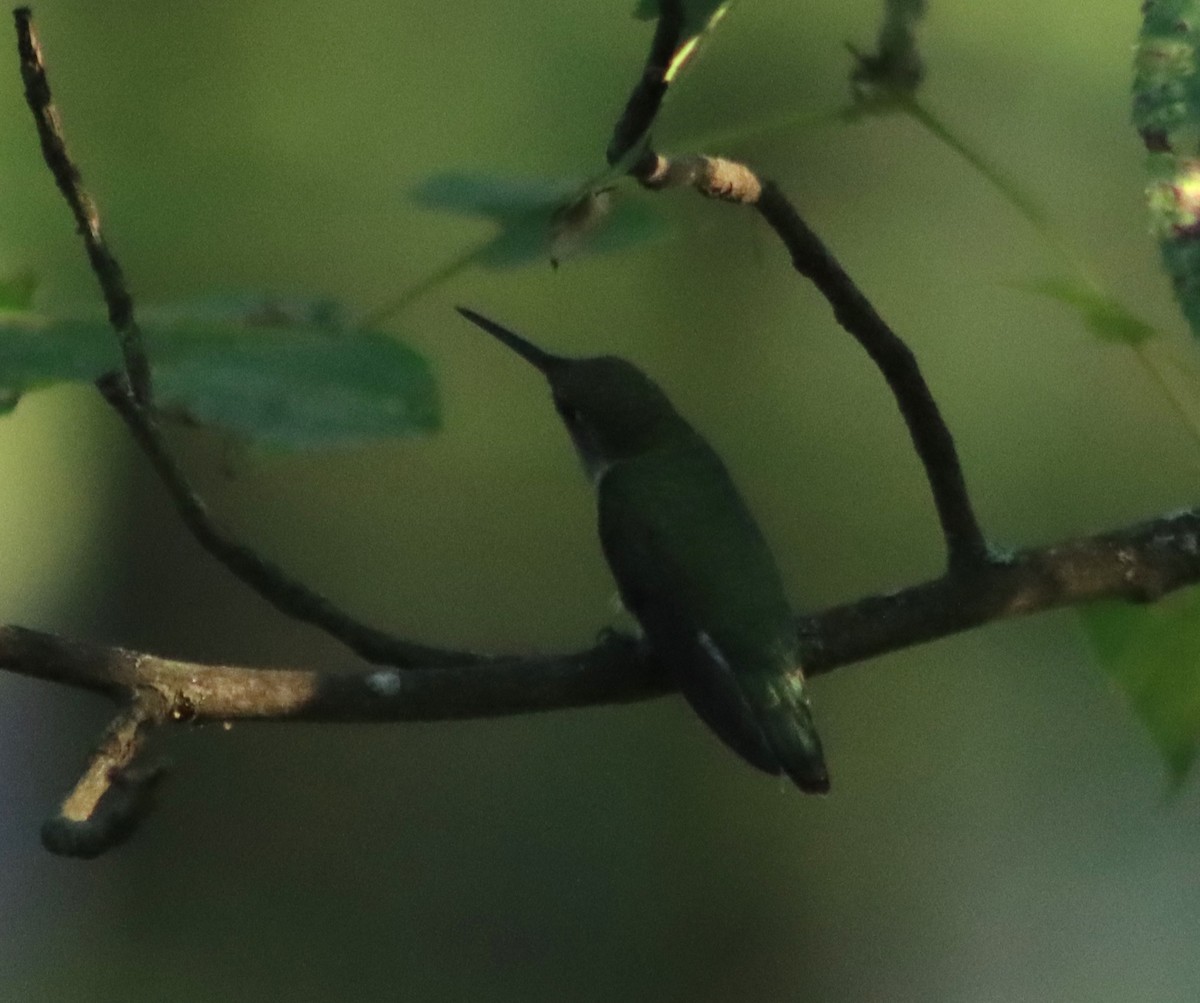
(528, 351)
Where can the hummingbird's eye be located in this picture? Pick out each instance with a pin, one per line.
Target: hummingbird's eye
(568, 412)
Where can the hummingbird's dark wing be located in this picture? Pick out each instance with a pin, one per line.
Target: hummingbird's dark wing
(693, 567)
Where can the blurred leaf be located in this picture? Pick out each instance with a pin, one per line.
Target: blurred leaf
(1153, 654)
(1166, 88)
(251, 309)
(895, 69)
(250, 372)
(610, 224)
(16, 290)
(493, 196)
(1102, 315)
(542, 220)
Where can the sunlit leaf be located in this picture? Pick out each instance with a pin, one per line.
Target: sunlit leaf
(17, 289)
(543, 220)
(1166, 111)
(249, 372)
(1101, 314)
(1153, 654)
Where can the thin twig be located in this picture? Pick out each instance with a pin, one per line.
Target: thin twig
(287, 594)
(114, 793)
(83, 207)
(730, 181)
(647, 96)
(930, 435)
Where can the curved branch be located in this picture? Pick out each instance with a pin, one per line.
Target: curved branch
(285, 593)
(930, 435)
(730, 181)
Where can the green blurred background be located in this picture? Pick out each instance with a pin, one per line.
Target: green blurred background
(1000, 828)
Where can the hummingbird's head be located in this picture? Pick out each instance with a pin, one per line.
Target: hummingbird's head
(612, 409)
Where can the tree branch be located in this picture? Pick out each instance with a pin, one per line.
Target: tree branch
(729, 181)
(930, 435)
(1140, 564)
(647, 95)
(114, 794)
(614, 671)
(287, 594)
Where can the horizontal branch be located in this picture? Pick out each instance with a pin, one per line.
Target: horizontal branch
(1139, 564)
(614, 671)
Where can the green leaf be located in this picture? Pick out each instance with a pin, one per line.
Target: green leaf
(246, 369)
(250, 309)
(16, 290)
(542, 220)
(493, 196)
(1166, 111)
(1152, 652)
(895, 70)
(1101, 314)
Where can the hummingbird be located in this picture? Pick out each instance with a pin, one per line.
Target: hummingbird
(689, 560)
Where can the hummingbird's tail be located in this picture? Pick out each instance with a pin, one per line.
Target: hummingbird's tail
(765, 718)
(792, 735)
